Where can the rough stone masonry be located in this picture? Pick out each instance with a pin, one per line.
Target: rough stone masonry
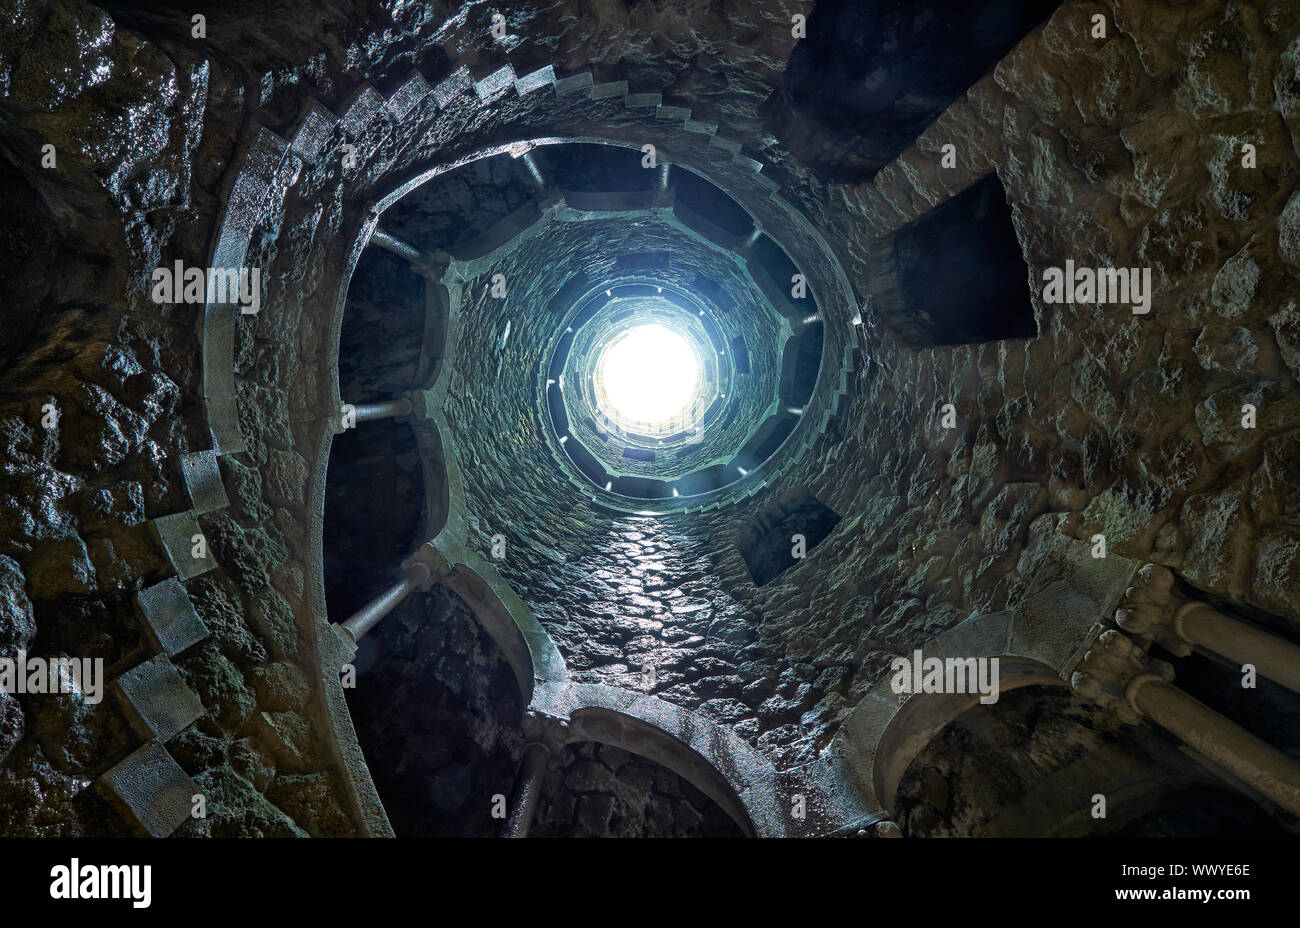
(356, 560)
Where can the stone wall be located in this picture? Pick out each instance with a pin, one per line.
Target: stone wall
(1120, 420)
(1123, 152)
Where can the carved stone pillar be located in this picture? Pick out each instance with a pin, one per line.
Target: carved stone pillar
(419, 572)
(428, 265)
(1151, 610)
(534, 172)
(662, 198)
(532, 770)
(746, 248)
(1120, 676)
(389, 409)
(546, 736)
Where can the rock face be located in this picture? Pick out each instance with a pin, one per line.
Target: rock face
(1170, 143)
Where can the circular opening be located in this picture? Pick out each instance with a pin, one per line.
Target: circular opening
(647, 379)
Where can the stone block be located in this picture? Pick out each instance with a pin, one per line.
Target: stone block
(1069, 593)
(452, 86)
(672, 112)
(496, 84)
(218, 375)
(203, 481)
(573, 83)
(169, 617)
(639, 100)
(176, 533)
(313, 132)
(537, 80)
(258, 174)
(611, 89)
(151, 789)
(362, 110)
(156, 699)
(404, 98)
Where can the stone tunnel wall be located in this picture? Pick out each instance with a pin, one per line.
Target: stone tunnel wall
(1124, 152)
(1128, 423)
(1127, 153)
(506, 379)
(147, 125)
(142, 138)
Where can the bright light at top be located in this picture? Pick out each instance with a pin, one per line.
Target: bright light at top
(648, 376)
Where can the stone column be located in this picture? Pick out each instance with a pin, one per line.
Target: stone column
(397, 246)
(534, 171)
(1120, 676)
(532, 770)
(1151, 610)
(426, 265)
(662, 197)
(1232, 747)
(419, 572)
(388, 409)
(746, 248)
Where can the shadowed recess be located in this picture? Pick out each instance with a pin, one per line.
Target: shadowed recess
(962, 276)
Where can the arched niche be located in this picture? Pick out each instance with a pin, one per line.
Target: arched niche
(1043, 762)
(924, 715)
(599, 790)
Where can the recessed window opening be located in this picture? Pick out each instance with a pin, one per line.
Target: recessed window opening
(711, 203)
(962, 276)
(796, 521)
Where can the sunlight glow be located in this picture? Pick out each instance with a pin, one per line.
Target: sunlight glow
(648, 376)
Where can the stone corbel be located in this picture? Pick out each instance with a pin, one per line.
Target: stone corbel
(1113, 670)
(550, 730)
(424, 404)
(426, 567)
(1151, 612)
